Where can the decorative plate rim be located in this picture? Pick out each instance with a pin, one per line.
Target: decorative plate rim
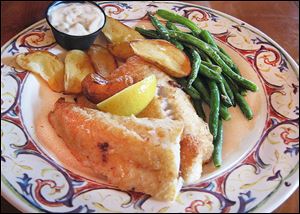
(24, 206)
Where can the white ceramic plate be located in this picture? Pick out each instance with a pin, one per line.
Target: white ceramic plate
(261, 157)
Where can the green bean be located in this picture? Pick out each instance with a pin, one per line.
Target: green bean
(209, 73)
(173, 17)
(208, 38)
(240, 100)
(196, 61)
(204, 57)
(234, 66)
(162, 30)
(224, 52)
(225, 100)
(177, 44)
(172, 26)
(199, 109)
(229, 91)
(224, 113)
(244, 106)
(227, 59)
(214, 108)
(212, 66)
(224, 96)
(230, 82)
(190, 91)
(229, 62)
(201, 88)
(213, 54)
(218, 144)
(236, 69)
(148, 33)
(242, 91)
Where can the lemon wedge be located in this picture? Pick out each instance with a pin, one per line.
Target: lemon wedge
(132, 100)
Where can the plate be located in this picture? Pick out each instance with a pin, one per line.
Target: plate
(261, 158)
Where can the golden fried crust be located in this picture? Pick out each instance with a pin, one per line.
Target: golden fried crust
(191, 158)
(153, 110)
(133, 153)
(172, 102)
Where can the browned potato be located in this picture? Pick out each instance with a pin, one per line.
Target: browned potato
(117, 32)
(121, 50)
(103, 61)
(47, 65)
(96, 88)
(77, 67)
(164, 55)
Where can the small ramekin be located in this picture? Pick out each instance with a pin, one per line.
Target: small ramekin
(70, 42)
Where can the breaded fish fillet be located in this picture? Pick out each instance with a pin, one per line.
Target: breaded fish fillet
(136, 154)
(172, 102)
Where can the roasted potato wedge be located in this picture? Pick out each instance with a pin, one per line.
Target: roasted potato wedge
(117, 32)
(77, 66)
(47, 65)
(102, 60)
(164, 55)
(120, 35)
(121, 50)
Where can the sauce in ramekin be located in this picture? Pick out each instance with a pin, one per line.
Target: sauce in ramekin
(77, 19)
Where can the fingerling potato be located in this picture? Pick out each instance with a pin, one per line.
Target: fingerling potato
(45, 64)
(116, 32)
(121, 50)
(164, 55)
(102, 60)
(77, 66)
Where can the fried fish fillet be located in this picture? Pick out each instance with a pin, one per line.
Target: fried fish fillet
(172, 102)
(137, 154)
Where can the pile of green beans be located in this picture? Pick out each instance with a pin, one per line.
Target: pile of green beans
(163, 31)
(214, 79)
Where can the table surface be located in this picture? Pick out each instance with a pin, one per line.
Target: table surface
(279, 20)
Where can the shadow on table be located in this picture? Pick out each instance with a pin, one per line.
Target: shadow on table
(7, 207)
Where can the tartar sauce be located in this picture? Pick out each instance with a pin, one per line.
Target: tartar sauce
(76, 19)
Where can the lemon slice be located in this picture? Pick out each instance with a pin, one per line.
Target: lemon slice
(131, 100)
